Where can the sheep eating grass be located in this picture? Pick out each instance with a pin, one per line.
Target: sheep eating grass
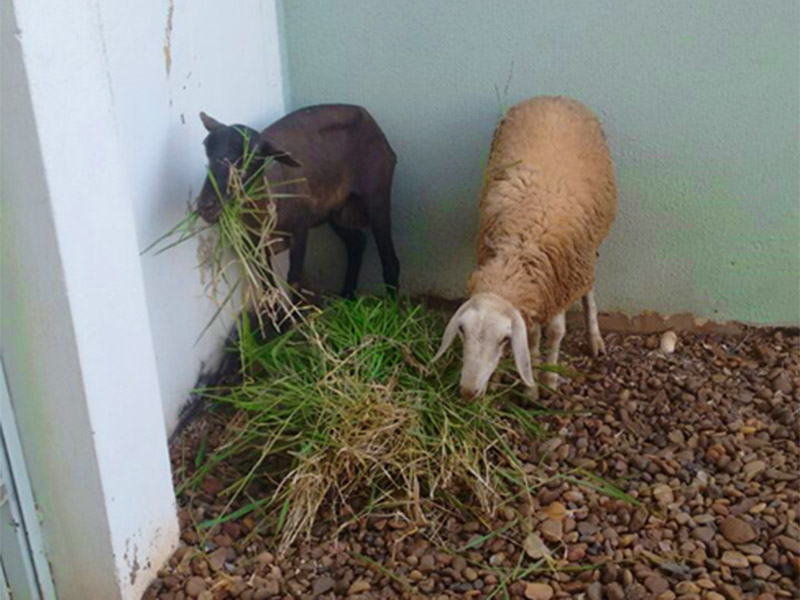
(548, 201)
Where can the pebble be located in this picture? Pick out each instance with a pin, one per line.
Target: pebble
(594, 591)
(614, 591)
(195, 586)
(668, 341)
(751, 549)
(737, 531)
(322, 585)
(762, 571)
(272, 587)
(639, 519)
(734, 559)
(656, 584)
(359, 586)
(704, 534)
(552, 530)
(216, 560)
(663, 494)
(556, 511)
(538, 591)
(790, 544)
(753, 469)
(686, 587)
(470, 574)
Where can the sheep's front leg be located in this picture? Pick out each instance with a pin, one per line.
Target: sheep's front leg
(534, 340)
(596, 344)
(555, 333)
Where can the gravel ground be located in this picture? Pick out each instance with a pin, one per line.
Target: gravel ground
(705, 439)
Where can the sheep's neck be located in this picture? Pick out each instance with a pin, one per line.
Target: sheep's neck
(510, 279)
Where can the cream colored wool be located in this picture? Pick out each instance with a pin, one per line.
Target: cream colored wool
(547, 203)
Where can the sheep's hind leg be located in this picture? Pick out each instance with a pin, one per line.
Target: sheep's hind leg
(596, 344)
(555, 333)
(378, 206)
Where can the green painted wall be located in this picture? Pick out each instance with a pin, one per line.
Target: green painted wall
(699, 100)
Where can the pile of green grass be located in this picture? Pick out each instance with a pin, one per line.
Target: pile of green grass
(344, 409)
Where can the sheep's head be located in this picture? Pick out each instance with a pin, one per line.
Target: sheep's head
(226, 146)
(487, 325)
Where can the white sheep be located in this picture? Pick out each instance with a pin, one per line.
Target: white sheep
(548, 201)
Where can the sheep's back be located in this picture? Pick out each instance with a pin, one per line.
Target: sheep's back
(549, 197)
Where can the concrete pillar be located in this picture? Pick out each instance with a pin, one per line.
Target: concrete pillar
(76, 340)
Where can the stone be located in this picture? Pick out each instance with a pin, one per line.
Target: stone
(753, 469)
(216, 560)
(195, 586)
(704, 534)
(639, 519)
(790, 544)
(552, 530)
(359, 586)
(556, 511)
(656, 584)
(735, 560)
(614, 591)
(731, 592)
(594, 591)
(686, 587)
(751, 549)
(668, 341)
(737, 531)
(470, 574)
(762, 571)
(538, 591)
(663, 494)
(322, 585)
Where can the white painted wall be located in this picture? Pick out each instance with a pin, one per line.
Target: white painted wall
(76, 343)
(168, 60)
(101, 152)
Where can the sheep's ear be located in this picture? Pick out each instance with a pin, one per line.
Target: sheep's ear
(519, 347)
(265, 148)
(210, 123)
(450, 332)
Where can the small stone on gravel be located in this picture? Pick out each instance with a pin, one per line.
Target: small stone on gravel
(358, 587)
(790, 544)
(614, 591)
(737, 531)
(552, 530)
(656, 584)
(734, 559)
(663, 494)
(195, 586)
(538, 591)
(594, 591)
(322, 585)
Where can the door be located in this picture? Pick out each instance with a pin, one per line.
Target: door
(24, 572)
